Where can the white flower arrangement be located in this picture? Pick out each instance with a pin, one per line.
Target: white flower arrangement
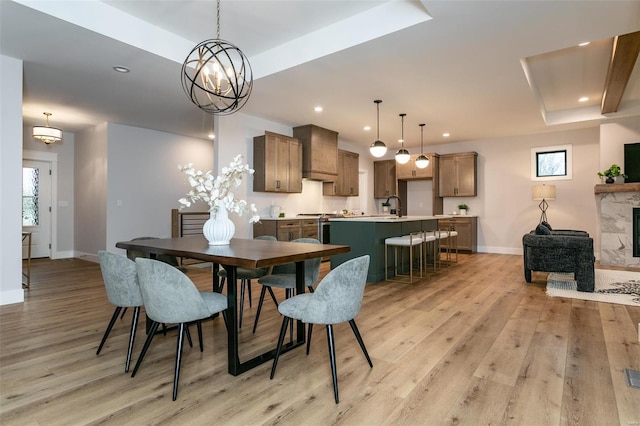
(219, 189)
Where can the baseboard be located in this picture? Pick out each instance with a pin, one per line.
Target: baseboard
(87, 256)
(11, 296)
(68, 254)
(500, 250)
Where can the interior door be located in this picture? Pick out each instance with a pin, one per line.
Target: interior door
(36, 207)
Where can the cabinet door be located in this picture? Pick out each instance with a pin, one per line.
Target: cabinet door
(288, 230)
(294, 166)
(466, 172)
(427, 172)
(405, 171)
(280, 182)
(448, 176)
(351, 174)
(384, 178)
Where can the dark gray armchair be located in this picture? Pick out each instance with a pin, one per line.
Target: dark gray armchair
(560, 251)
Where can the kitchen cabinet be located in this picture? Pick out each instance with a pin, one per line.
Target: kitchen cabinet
(277, 161)
(287, 229)
(319, 152)
(410, 171)
(458, 175)
(347, 183)
(384, 178)
(467, 228)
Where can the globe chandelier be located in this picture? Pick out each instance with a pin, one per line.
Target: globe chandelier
(217, 76)
(422, 161)
(378, 148)
(402, 155)
(47, 134)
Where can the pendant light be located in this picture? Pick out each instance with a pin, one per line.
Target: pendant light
(47, 134)
(217, 76)
(378, 148)
(422, 161)
(402, 156)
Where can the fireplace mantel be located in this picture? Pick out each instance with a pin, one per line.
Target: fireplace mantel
(617, 187)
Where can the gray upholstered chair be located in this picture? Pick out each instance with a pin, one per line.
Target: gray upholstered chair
(284, 276)
(171, 297)
(245, 275)
(121, 283)
(337, 299)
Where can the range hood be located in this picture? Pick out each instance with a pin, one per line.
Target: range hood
(319, 152)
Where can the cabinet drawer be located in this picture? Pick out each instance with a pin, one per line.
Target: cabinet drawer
(310, 232)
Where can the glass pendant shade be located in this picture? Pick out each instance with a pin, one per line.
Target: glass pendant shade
(378, 148)
(422, 161)
(47, 134)
(403, 156)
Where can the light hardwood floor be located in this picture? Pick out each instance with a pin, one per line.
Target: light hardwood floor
(472, 344)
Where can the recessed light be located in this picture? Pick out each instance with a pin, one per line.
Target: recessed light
(446, 135)
(121, 69)
(583, 99)
(318, 109)
(584, 43)
(366, 128)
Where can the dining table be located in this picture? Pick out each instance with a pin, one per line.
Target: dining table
(248, 253)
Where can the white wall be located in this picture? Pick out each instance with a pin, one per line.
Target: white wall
(10, 167)
(613, 136)
(143, 180)
(90, 188)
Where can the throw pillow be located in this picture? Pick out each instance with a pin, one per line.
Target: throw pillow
(542, 230)
(547, 225)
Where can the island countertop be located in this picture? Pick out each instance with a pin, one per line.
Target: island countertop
(390, 218)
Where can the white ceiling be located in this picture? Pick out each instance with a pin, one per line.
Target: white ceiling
(458, 66)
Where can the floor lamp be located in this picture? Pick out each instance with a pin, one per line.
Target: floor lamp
(543, 193)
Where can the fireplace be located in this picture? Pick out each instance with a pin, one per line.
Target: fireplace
(636, 231)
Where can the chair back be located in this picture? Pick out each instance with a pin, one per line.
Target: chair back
(311, 266)
(338, 297)
(133, 254)
(120, 279)
(169, 295)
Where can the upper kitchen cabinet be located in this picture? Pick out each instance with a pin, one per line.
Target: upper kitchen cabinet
(277, 161)
(319, 152)
(458, 174)
(347, 183)
(384, 178)
(409, 171)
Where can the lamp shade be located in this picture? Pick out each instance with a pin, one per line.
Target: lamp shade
(544, 192)
(45, 133)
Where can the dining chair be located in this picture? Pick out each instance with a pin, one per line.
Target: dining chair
(284, 276)
(121, 283)
(245, 275)
(171, 297)
(337, 299)
(170, 260)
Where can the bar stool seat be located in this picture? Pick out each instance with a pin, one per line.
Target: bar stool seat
(412, 240)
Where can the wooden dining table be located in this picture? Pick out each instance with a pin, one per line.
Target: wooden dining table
(240, 252)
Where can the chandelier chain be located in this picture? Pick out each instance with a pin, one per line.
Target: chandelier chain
(218, 21)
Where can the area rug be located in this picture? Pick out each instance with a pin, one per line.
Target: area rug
(622, 287)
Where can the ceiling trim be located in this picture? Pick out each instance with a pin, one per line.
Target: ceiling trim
(623, 58)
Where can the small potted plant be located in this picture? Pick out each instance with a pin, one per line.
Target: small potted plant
(463, 208)
(385, 206)
(612, 173)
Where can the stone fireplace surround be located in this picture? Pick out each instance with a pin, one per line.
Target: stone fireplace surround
(615, 209)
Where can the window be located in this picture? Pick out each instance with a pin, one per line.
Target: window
(551, 163)
(30, 196)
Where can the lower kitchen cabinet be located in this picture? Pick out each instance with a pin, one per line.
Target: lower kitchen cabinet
(467, 228)
(287, 229)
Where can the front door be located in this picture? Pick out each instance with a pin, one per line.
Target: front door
(36, 207)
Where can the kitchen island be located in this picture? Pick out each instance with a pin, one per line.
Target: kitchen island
(366, 235)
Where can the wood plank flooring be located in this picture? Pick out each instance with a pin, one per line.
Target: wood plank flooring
(471, 344)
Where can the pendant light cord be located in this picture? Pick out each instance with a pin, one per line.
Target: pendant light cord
(378, 121)
(421, 138)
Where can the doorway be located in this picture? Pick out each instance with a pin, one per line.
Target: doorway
(36, 207)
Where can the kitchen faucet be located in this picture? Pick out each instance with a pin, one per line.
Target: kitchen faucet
(398, 204)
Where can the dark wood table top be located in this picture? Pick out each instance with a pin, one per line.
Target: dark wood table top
(240, 252)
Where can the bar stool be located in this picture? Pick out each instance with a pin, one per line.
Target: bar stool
(429, 239)
(453, 241)
(412, 240)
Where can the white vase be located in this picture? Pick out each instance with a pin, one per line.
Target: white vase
(219, 229)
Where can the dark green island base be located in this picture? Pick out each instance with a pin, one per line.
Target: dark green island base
(366, 235)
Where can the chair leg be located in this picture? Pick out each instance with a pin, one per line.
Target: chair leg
(309, 337)
(124, 311)
(147, 343)
(283, 331)
(288, 294)
(249, 290)
(262, 293)
(132, 336)
(332, 359)
(114, 317)
(176, 375)
(199, 325)
(354, 327)
(221, 284)
(189, 336)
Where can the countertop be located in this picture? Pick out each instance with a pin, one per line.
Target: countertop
(383, 219)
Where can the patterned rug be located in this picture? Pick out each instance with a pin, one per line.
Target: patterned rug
(622, 287)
